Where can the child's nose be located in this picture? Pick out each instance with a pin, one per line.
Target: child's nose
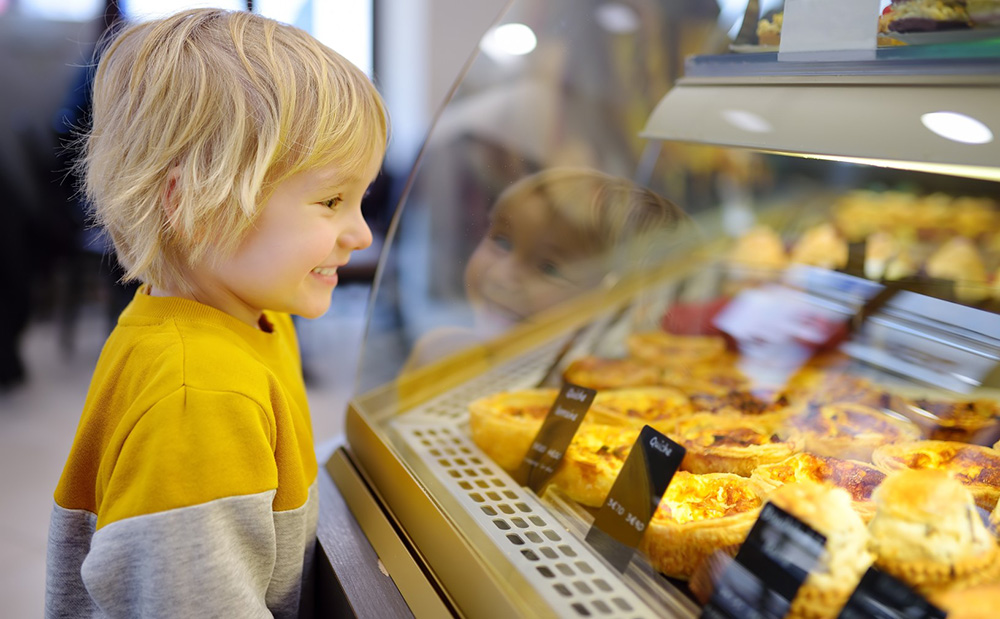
(357, 235)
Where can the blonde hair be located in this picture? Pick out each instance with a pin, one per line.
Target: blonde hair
(235, 103)
(606, 212)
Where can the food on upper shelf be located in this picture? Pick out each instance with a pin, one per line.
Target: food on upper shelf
(821, 246)
(851, 431)
(698, 515)
(968, 421)
(908, 217)
(592, 462)
(959, 260)
(838, 571)
(859, 479)
(667, 350)
(927, 15)
(759, 248)
(769, 29)
(984, 12)
(734, 444)
(978, 468)
(889, 258)
(928, 533)
(599, 373)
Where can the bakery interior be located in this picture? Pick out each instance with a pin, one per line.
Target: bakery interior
(768, 233)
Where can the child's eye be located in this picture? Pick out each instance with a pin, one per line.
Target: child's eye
(332, 202)
(547, 267)
(501, 241)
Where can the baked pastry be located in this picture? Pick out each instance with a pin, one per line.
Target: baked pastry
(959, 260)
(769, 30)
(670, 351)
(734, 444)
(600, 373)
(738, 402)
(718, 375)
(967, 421)
(819, 385)
(821, 246)
(592, 462)
(928, 533)
(978, 468)
(851, 431)
(504, 424)
(659, 407)
(984, 12)
(927, 15)
(979, 602)
(857, 478)
(995, 519)
(759, 248)
(698, 515)
(839, 570)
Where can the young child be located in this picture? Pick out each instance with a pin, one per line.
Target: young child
(228, 158)
(553, 235)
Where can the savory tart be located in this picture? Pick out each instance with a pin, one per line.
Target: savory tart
(928, 533)
(978, 602)
(851, 431)
(857, 478)
(978, 468)
(504, 424)
(698, 515)
(659, 407)
(734, 444)
(820, 385)
(959, 420)
(600, 373)
(821, 246)
(738, 402)
(718, 375)
(668, 350)
(592, 462)
(839, 570)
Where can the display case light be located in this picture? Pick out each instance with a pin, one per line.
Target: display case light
(957, 127)
(509, 40)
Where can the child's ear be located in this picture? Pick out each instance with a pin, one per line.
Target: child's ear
(169, 198)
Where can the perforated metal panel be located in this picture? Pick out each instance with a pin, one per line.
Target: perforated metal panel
(559, 566)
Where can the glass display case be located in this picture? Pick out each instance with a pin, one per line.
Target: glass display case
(787, 265)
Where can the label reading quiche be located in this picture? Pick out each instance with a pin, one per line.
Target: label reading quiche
(769, 568)
(622, 519)
(555, 435)
(883, 596)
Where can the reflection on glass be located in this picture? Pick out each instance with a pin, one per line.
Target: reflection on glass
(957, 127)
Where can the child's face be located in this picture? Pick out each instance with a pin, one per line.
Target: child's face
(530, 260)
(288, 261)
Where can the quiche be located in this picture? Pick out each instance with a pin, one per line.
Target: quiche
(659, 407)
(717, 375)
(668, 350)
(734, 444)
(857, 478)
(592, 462)
(928, 533)
(839, 570)
(599, 373)
(978, 468)
(851, 431)
(698, 515)
(960, 420)
(818, 386)
(504, 424)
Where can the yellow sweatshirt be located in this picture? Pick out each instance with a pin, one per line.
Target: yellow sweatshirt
(190, 486)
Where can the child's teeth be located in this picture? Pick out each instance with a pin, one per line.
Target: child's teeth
(325, 271)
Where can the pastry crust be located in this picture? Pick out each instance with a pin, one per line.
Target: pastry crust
(659, 407)
(851, 431)
(734, 444)
(504, 424)
(976, 467)
(928, 533)
(592, 462)
(821, 246)
(670, 351)
(698, 515)
(599, 373)
(979, 602)
(828, 511)
(959, 420)
(859, 479)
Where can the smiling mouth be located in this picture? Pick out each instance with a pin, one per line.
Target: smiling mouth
(325, 271)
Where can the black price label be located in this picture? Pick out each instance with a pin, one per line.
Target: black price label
(771, 565)
(632, 500)
(555, 435)
(882, 596)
